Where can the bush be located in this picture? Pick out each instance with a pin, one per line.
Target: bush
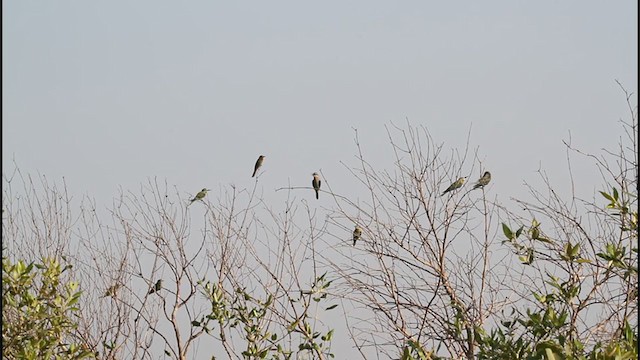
(38, 311)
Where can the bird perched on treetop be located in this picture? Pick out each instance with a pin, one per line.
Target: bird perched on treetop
(484, 180)
(258, 164)
(157, 287)
(357, 233)
(316, 183)
(455, 185)
(200, 195)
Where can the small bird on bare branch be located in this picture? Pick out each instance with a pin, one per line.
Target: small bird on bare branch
(157, 287)
(111, 290)
(316, 183)
(200, 195)
(456, 185)
(357, 234)
(258, 165)
(483, 181)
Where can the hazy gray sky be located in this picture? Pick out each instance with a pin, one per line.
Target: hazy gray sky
(111, 93)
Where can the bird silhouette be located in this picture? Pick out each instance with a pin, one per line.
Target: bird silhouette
(357, 233)
(157, 287)
(316, 184)
(258, 165)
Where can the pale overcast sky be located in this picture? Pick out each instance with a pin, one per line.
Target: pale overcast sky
(109, 94)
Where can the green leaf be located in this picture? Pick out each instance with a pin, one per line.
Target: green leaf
(507, 232)
(583, 261)
(535, 233)
(566, 254)
(328, 336)
(575, 250)
(544, 240)
(541, 298)
(607, 196)
(292, 326)
(528, 259)
(549, 354)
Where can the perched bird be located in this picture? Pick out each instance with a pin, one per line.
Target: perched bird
(484, 180)
(316, 183)
(156, 287)
(200, 195)
(455, 185)
(111, 290)
(258, 164)
(357, 233)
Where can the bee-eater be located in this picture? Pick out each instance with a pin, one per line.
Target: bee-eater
(156, 287)
(484, 180)
(111, 290)
(258, 164)
(200, 195)
(316, 183)
(357, 233)
(455, 185)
